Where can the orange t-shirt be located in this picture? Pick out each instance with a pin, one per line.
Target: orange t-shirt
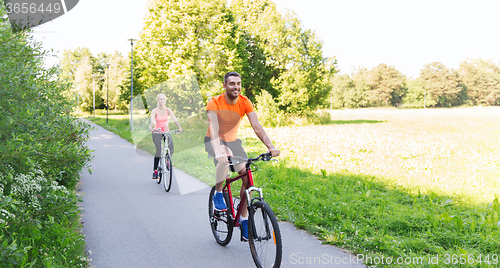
(229, 116)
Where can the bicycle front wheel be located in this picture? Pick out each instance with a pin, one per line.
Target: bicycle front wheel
(221, 222)
(160, 171)
(264, 236)
(167, 180)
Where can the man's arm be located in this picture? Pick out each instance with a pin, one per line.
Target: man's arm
(213, 126)
(261, 133)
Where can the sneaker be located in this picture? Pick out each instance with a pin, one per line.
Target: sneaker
(155, 175)
(219, 201)
(244, 229)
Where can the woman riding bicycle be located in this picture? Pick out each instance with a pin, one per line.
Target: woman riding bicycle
(159, 123)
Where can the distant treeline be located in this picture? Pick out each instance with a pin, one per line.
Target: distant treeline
(475, 82)
(279, 61)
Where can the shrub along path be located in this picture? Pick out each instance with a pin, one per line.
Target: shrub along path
(130, 221)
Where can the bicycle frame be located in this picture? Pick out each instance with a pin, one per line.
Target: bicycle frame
(164, 143)
(165, 150)
(263, 227)
(246, 199)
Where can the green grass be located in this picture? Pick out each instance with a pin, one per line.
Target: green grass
(196, 163)
(366, 216)
(117, 124)
(397, 188)
(187, 157)
(359, 121)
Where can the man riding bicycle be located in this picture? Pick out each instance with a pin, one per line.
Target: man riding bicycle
(225, 113)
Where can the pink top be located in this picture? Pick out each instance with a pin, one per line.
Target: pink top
(161, 122)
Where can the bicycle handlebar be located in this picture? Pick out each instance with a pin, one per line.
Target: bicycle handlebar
(261, 157)
(159, 131)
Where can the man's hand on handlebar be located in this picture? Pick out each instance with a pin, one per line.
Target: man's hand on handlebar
(275, 152)
(222, 154)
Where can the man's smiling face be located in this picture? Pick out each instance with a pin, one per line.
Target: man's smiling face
(233, 87)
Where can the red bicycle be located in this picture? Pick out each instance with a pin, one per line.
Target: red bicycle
(264, 235)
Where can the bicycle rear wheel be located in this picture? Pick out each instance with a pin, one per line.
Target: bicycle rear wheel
(264, 236)
(221, 222)
(167, 179)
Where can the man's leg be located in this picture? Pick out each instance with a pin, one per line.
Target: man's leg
(221, 171)
(220, 175)
(244, 182)
(243, 208)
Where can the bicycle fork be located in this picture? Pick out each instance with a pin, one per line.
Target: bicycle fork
(250, 201)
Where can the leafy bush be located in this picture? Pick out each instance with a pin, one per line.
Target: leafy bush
(37, 131)
(43, 152)
(43, 232)
(319, 118)
(268, 111)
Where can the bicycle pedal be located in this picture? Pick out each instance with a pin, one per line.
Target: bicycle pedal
(220, 213)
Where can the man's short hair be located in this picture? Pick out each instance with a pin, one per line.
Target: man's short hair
(231, 74)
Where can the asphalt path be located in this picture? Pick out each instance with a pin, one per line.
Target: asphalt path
(130, 221)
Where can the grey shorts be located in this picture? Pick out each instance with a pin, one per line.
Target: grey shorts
(235, 147)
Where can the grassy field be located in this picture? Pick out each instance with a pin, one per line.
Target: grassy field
(393, 183)
(189, 152)
(415, 184)
(452, 152)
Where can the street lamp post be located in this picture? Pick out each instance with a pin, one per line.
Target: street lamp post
(331, 100)
(78, 103)
(425, 99)
(93, 94)
(107, 96)
(131, 81)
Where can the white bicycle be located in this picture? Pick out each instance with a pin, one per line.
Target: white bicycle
(165, 168)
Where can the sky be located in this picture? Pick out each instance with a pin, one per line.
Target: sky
(405, 34)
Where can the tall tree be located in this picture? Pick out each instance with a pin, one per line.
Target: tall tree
(139, 87)
(84, 86)
(188, 37)
(117, 74)
(341, 84)
(209, 38)
(442, 84)
(70, 62)
(416, 96)
(481, 79)
(387, 85)
(259, 67)
(357, 97)
(293, 56)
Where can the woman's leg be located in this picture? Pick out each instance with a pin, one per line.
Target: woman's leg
(157, 142)
(170, 145)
